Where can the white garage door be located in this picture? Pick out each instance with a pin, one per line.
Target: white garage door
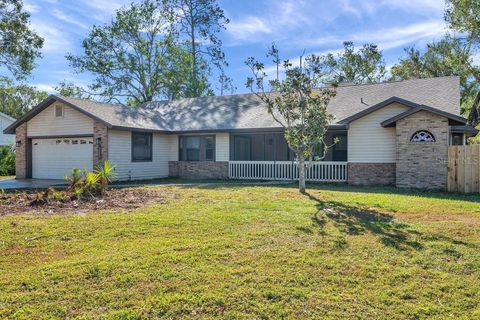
(53, 158)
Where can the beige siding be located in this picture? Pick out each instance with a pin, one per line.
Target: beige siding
(46, 124)
(368, 141)
(120, 154)
(222, 141)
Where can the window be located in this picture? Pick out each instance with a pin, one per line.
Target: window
(422, 136)
(340, 148)
(457, 139)
(196, 148)
(58, 111)
(141, 146)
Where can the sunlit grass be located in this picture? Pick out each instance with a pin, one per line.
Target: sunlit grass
(249, 252)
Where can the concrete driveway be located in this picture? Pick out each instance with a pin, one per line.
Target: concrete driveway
(29, 184)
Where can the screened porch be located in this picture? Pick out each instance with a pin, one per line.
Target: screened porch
(266, 156)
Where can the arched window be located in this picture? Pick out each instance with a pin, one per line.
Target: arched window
(422, 136)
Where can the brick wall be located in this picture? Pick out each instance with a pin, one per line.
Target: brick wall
(100, 151)
(21, 152)
(381, 174)
(422, 165)
(198, 169)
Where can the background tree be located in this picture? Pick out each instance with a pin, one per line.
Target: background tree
(463, 16)
(19, 46)
(69, 89)
(447, 57)
(363, 65)
(199, 22)
(131, 58)
(298, 104)
(16, 100)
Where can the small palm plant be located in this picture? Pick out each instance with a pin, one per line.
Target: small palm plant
(106, 174)
(74, 179)
(91, 183)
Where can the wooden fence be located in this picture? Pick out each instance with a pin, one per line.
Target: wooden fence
(464, 169)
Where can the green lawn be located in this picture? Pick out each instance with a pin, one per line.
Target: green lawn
(235, 252)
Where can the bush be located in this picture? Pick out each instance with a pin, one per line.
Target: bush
(7, 161)
(90, 184)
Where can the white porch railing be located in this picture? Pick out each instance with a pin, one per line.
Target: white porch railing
(325, 171)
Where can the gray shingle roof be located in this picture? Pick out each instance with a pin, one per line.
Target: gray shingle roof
(245, 111)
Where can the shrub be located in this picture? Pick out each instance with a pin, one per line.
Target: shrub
(7, 161)
(106, 174)
(90, 184)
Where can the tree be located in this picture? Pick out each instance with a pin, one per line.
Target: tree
(364, 65)
(447, 57)
(462, 16)
(199, 22)
(298, 104)
(69, 89)
(133, 56)
(19, 46)
(16, 100)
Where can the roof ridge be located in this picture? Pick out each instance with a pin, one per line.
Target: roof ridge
(253, 93)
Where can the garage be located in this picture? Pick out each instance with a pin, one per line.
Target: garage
(53, 158)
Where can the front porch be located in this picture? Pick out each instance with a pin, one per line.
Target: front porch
(266, 156)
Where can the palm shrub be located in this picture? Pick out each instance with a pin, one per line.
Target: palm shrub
(74, 179)
(90, 184)
(7, 161)
(106, 174)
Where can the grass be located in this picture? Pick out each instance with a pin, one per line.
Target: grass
(235, 252)
(6, 177)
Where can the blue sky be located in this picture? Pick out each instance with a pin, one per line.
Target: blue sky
(316, 26)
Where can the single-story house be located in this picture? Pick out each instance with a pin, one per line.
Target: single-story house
(392, 133)
(5, 121)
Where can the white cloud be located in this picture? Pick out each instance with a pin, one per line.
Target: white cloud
(372, 7)
(387, 38)
(435, 5)
(50, 88)
(398, 36)
(247, 27)
(290, 13)
(30, 7)
(60, 15)
(104, 8)
(55, 39)
(280, 18)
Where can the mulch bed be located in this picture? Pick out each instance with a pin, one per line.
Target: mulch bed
(124, 199)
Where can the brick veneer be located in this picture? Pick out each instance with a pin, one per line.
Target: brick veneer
(100, 151)
(381, 174)
(198, 169)
(21, 151)
(422, 165)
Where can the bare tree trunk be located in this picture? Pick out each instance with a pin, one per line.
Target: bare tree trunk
(301, 174)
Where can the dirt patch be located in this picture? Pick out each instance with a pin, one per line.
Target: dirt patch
(125, 199)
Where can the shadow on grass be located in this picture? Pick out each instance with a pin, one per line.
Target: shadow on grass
(338, 187)
(357, 221)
